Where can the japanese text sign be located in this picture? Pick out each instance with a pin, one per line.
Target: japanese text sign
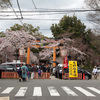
(73, 69)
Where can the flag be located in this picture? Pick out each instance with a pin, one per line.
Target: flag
(66, 62)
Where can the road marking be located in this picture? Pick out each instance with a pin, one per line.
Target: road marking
(53, 91)
(69, 91)
(7, 90)
(85, 92)
(21, 92)
(94, 89)
(4, 98)
(37, 91)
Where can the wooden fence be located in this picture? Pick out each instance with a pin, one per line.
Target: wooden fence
(15, 75)
(9, 75)
(43, 75)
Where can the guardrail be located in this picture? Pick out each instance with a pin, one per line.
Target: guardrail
(66, 76)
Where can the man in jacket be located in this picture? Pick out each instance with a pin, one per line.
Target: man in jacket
(95, 72)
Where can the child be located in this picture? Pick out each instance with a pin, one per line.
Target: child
(39, 73)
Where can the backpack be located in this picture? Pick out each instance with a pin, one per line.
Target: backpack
(23, 70)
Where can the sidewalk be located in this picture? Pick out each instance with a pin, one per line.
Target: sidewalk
(53, 78)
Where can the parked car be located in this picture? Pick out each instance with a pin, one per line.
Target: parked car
(54, 70)
(15, 63)
(88, 75)
(6, 68)
(10, 66)
(58, 72)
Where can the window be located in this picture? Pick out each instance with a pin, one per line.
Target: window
(2, 67)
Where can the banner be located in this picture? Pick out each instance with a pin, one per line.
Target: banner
(66, 62)
(73, 69)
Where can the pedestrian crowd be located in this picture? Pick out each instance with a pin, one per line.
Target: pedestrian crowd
(28, 71)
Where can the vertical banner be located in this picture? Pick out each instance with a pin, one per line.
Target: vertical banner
(73, 69)
(66, 62)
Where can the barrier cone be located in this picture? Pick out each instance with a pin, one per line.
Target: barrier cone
(83, 76)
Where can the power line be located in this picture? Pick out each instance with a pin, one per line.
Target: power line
(27, 19)
(19, 9)
(51, 11)
(33, 14)
(34, 4)
(36, 19)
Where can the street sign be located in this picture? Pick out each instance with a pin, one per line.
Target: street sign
(73, 69)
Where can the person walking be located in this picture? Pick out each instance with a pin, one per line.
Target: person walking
(33, 70)
(29, 71)
(42, 66)
(20, 74)
(24, 72)
(48, 68)
(44, 69)
(95, 72)
(51, 70)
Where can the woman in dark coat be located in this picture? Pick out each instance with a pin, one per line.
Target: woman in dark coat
(20, 74)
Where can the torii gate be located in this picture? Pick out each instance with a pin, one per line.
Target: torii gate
(54, 52)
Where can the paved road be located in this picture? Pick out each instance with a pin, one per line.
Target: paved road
(50, 89)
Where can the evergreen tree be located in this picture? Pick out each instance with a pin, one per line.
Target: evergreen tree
(70, 25)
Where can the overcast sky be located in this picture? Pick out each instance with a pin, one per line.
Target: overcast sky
(44, 25)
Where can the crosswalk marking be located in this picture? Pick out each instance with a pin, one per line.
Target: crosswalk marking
(53, 91)
(7, 90)
(37, 91)
(94, 89)
(21, 91)
(69, 91)
(85, 92)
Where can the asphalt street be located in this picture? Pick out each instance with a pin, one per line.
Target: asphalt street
(50, 89)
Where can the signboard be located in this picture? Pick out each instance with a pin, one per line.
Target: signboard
(73, 69)
(66, 62)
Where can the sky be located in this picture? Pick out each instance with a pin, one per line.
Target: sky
(43, 19)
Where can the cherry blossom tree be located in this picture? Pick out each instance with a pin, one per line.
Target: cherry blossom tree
(67, 43)
(13, 41)
(4, 4)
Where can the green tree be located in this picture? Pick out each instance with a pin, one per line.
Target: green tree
(26, 27)
(56, 30)
(2, 34)
(70, 25)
